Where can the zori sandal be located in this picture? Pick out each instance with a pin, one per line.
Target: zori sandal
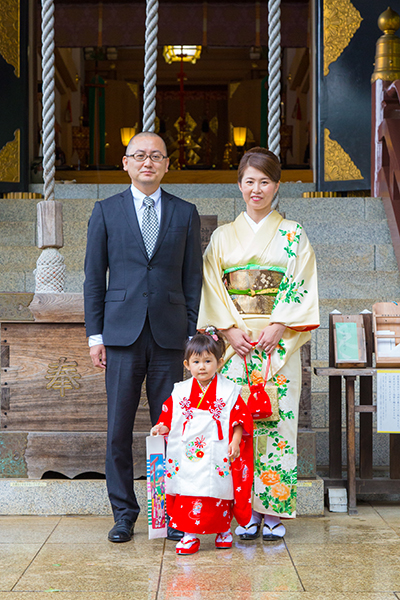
(190, 546)
(224, 540)
(248, 532)
(274, 532)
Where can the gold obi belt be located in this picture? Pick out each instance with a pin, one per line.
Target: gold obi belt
(253, 288)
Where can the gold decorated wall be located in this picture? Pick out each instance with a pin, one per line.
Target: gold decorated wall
(14, 175)
(10, 33)
(346, 36)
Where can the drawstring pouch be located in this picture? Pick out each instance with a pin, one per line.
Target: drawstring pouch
(259, 403)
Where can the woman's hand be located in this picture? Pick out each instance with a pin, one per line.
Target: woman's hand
(270, 337)
(159, 429)
(239, 340)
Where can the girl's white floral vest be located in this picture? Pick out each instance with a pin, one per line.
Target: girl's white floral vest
(197, 462)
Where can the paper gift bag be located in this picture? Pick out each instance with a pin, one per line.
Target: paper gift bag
(156, 509)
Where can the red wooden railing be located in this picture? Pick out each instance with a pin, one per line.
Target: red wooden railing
(385, 170)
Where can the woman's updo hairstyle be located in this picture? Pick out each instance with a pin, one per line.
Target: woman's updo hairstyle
(263, 160)
(210, 341)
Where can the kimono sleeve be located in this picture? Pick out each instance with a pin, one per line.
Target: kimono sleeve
(242, 467)
(240, 415)
(166, 413)
(296, 304)
(215, 304)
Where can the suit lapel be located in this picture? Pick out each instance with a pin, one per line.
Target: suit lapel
(167, 210)
(131, 217)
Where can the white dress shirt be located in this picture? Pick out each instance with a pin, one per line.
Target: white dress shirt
(138, 197)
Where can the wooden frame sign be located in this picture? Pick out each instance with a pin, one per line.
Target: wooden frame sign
(386, 320)
(349, 341)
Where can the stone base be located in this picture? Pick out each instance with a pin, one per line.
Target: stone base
(89, 497)
(310, 497)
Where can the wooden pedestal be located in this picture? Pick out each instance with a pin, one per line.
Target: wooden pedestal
(53, 404)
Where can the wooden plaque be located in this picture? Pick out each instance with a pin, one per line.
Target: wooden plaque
(48, 382)
(349, 341)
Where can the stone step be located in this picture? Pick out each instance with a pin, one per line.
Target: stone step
(89, 497)
(18, 233)
(333, 210)
(355, 257)
(308, 212)
(229, 190)
(17, 265)
(359, 257)
(19, 245)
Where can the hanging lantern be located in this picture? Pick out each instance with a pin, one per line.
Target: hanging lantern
(127, 134)
(239, 136)
(185, 53)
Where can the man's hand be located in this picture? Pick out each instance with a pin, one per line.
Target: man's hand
(240, 341)
(98, 356)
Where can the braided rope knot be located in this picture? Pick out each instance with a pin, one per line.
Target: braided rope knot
(50, 272)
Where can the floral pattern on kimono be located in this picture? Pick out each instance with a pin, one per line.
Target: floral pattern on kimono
(202, 514)
(282, 245)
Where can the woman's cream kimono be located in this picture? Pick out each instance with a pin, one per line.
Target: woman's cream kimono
(280, 248)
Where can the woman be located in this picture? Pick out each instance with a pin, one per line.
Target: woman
(260, 288)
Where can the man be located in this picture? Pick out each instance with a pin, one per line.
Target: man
(149, 243)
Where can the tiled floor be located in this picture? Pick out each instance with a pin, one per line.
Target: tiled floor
(335, 557)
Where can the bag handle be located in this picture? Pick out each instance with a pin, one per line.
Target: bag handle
(266, 372)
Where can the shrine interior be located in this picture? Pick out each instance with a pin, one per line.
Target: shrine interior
(99, 87)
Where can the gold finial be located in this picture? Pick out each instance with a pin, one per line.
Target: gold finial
(389, 21)
(387, 55)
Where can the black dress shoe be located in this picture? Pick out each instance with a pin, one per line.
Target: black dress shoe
(122, 531)
(174, 534)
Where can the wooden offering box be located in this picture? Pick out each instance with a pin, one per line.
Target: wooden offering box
(386, 317)
(53, 414)
(349, 341)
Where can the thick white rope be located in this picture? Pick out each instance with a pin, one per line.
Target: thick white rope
(48, 99)
(50, 267)
(274, 76)
(150, 66)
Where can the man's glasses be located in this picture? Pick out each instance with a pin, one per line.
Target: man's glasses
(141, 156)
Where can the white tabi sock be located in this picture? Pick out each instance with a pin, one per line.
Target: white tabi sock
(255, 520)
(274, 525)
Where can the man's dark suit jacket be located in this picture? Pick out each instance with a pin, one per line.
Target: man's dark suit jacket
(166, 287)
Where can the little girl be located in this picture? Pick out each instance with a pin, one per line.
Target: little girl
(209, 462)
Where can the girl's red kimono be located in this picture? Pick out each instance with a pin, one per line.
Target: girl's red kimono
(204, 489)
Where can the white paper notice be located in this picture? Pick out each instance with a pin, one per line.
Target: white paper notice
(388, 401)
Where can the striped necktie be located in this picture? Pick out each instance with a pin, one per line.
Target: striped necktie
(149, 226)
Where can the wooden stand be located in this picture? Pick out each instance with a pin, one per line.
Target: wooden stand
(365, 483)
